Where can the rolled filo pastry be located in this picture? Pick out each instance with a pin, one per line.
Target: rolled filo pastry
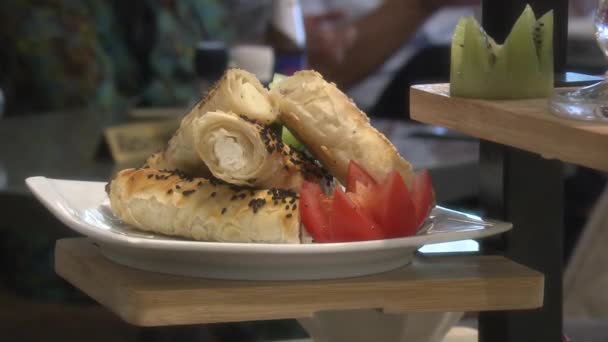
(237, 91)
(333, 129)
(171, 203)
(242, 151)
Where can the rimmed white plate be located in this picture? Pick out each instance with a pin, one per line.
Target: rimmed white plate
(83, 206)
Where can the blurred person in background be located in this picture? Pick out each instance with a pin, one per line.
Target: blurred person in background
(65, 54)
(376, 49)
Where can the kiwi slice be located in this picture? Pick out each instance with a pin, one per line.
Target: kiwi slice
(522, 67)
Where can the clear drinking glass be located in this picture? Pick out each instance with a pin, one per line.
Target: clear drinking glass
(587, 103)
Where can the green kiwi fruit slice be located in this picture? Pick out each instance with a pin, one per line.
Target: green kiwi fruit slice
(522, 67)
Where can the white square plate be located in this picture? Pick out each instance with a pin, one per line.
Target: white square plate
(84, 207)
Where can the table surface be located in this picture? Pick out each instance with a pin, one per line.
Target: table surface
(524, 124)
(67, 146)
(464, 283)
(52, 145)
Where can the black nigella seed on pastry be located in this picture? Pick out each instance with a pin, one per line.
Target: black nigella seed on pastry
(150, 176)
(178, 187)
(170, 191)
(287, 207)
(256, 204)
(213, 194)
(188, 192)
(216, 181)
(223, 211)
(294, 207)
(288, 216)
(233, 197)
(200, 183)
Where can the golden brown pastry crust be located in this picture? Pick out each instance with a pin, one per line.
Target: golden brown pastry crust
(209, 210)
(333, 129)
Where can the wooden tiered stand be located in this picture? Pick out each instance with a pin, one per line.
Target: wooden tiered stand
(522, 149)
(357, 309)
(518, 184)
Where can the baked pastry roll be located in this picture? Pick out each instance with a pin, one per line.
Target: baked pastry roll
(242, 151)
(237, 91)
(333, 129)
(208, 210)
(157, 161)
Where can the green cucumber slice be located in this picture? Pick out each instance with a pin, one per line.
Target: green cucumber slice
(289, 139)
(276, 78)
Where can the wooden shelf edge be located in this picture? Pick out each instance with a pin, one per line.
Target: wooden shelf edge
(524, 124)
(434, 285)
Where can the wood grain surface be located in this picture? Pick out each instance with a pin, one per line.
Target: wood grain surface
(471, 283)
(524, 124)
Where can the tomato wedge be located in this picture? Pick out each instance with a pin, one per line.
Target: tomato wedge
(357, 174)
(393, 208)
(349, 222)
(422, 196)
(314, 210)
(367, 210)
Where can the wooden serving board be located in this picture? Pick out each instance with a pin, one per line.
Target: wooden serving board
(524, 124)
(432, 284)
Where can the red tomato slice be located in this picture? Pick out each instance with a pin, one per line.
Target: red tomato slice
(314, 210)
(422, 196)
(393, 208)
(356, 174)
(349, 222)
(363, 198)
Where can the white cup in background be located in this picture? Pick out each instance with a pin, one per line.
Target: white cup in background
(257, 59)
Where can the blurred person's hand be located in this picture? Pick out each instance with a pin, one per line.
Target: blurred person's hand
(328, 38)
(348, 51)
